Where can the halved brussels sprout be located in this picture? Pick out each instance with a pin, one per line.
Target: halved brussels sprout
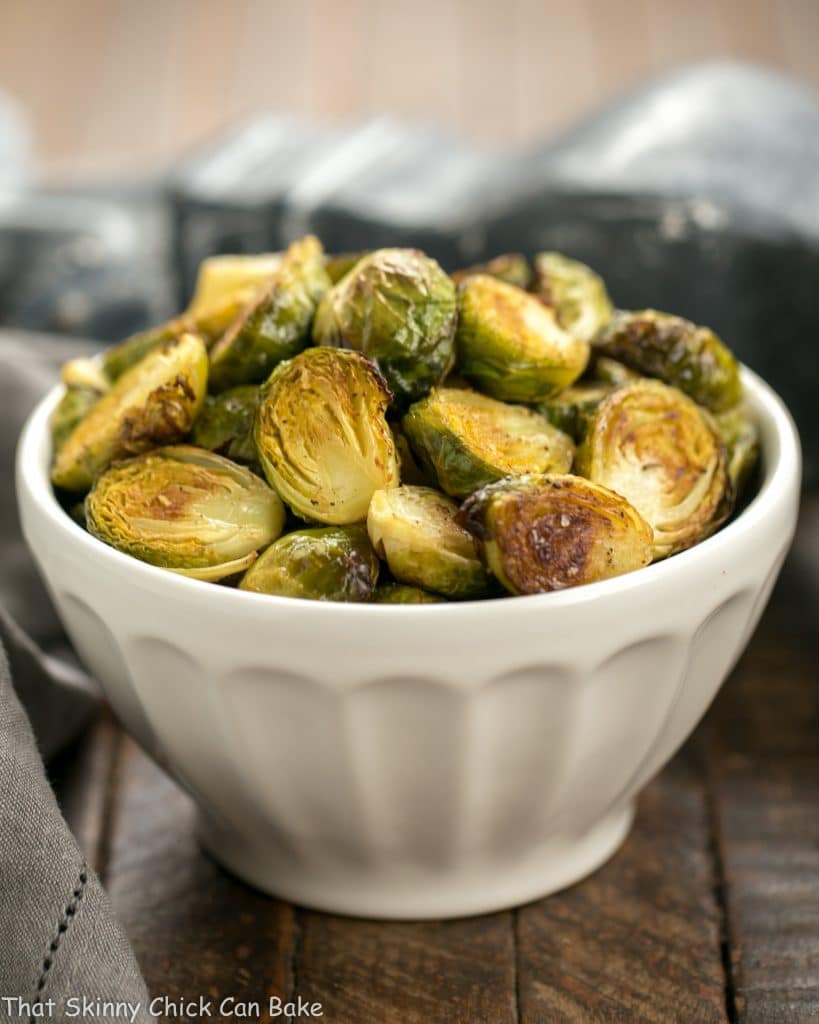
(610, 371)
(322, 437)
(676, 351)
(572, 409)
(467, 440)
(741, 439)
(547, 532)
(574, 291)
(225, 424)
(225, 285)
(120, 358)
(185, 509)
(275, 324)
(397, 307)
(400, 593)
(661, 451)
(511, 346)
(73, 407)
(512, 267)
(414, 529)
(332, 563)
(153, 403)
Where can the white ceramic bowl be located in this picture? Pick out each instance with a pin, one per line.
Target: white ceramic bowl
(415, 761)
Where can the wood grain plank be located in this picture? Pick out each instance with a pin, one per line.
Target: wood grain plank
(640, 940)
(764, 765)
(452, 972)
(195, 930)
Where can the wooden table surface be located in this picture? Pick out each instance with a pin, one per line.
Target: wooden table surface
(708, 913)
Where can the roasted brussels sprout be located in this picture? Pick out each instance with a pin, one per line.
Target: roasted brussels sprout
(332, 563)
(575, 292)
(153, 403)
(572, 409)
(397, 307)
(322, 437)
(676, 351)
(511, 346)
(225, 285)
(512, 267)
(610, 371)
(185, 509)
(415, 530)
(467, 440)
(543, 532)
(74, 406)
(275, 324)
(400, 593)
(661, 451)
(741, 439)
(225, 424)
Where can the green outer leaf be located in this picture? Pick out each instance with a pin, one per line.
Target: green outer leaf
(334, 563)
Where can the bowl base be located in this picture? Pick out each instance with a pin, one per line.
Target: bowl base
(418, 893)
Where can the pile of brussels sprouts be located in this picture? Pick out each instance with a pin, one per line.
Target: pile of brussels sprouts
(367, 427)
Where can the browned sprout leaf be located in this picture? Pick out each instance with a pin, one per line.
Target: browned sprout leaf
(548, 532)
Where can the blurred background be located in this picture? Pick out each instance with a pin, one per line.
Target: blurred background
(127, 86)
(672, 144)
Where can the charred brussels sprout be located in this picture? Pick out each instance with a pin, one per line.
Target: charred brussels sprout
(275, 324)
(541, 532)
(572, 409)
(467, 440)
(335, 563)
(225, 285)
(661, 451)
(225, 424)
(511, 267)
(185, 509)
(153, 403)
(511, 346)
(741, 439)
(322, 437)
(575, 292)
(414, 529)
(400, 593)
(676, 351)
(397, 307)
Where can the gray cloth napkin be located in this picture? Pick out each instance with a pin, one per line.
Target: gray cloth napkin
(60, 941)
